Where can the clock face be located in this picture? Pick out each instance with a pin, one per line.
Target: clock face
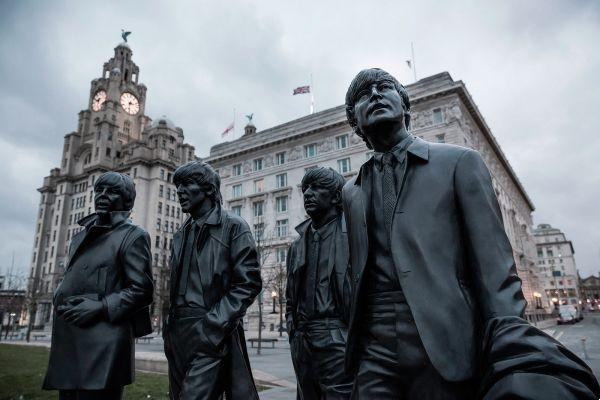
(129, 103)
(98, 100)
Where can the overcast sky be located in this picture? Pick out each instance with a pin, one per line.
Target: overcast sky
(532, 67)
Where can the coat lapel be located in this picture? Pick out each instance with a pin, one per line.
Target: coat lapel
(360, 203)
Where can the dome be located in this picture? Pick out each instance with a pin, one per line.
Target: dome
(161, 122)
(124, 44)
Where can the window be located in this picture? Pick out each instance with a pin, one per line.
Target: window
(259, 230)
(343, 165)
(158, 224)
(236, 169)
(162, 174)
(161, 190)
(438, 118)
(540, 253)
(259, 186)
(157, 242)
(549, 252)
(169, 193)
(257, 206)
(159, 207)
(281, 228)
(167, 209)
(281, 203)
(236, 191)
(281, 254)
(310, 150)
(280, 158)
(341, 142)
(258, 164)
(237, 210)
(441, 138)
(281, 180)
(169, 177)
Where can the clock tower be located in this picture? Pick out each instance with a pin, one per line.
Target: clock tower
(113, 134)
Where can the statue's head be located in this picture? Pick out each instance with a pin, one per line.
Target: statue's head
(322, 189)
(196, 183)
(113, 191)
(375, 97)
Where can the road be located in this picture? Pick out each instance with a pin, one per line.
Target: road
(571, 335)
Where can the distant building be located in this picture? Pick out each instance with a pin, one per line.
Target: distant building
(590, 291)
(261, 171)
(113, 133)
(11, 306)
(556, 263)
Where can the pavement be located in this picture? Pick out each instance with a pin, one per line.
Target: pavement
(273, 367)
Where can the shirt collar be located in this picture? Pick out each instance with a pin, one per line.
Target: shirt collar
(325, 230)
(398, 151)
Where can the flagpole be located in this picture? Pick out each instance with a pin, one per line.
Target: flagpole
(414, 65)
(233, 123)
(312, 95)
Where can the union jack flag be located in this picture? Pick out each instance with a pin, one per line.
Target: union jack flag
(301, 90)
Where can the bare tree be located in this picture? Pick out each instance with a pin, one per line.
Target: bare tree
(264, 248)
(276, 281)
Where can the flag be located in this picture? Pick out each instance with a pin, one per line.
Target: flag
(227, 130)
(301, 90)
(409, 63)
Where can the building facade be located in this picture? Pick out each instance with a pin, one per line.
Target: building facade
(556, 263)
(113, 133)
(261, 172)
(590, 292)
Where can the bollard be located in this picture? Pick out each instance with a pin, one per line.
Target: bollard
(585, 354)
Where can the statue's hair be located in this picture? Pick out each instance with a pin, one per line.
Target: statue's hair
(201, 173)
(326, 177)
(364, 79)
(122, 182)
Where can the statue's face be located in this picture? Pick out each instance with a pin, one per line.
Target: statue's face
(318, 200)
(108, 198)
(191, 195)
(378, 102)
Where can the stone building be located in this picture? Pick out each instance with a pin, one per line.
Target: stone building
(261, 171)
(590, 292)
(113, 133)
(556, 263)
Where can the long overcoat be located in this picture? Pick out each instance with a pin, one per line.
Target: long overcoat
(231, 280)
(337, 268)
(111, 262)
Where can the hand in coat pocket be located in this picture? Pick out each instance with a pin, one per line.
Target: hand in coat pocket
(80, 310)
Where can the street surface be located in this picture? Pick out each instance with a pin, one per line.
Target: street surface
(274, 366)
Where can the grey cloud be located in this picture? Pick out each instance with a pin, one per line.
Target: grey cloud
(530, 66)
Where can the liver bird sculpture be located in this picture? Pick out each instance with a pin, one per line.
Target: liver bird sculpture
(124, 35)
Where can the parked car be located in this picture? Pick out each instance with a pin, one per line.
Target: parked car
(567, 314)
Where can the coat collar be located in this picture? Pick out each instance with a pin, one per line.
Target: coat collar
(418, 148)
(214, 218)
(116, 217)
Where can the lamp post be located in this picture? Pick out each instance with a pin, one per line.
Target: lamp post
(274, 296)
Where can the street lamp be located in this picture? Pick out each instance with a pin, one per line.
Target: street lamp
(274, 296)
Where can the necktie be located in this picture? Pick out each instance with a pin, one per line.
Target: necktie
(190, 240)
(311, 282)
(388, 189)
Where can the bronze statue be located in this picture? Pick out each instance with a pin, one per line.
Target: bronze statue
(433, 269)
(214, 277)
(102, 304)
(318, 290)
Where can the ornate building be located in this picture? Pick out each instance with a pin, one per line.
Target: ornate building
(113, 133)
(590, 292)
(261, 171)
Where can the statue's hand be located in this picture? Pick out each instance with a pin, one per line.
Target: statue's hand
(80, 310)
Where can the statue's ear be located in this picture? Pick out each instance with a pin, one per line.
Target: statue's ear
(337, 197)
